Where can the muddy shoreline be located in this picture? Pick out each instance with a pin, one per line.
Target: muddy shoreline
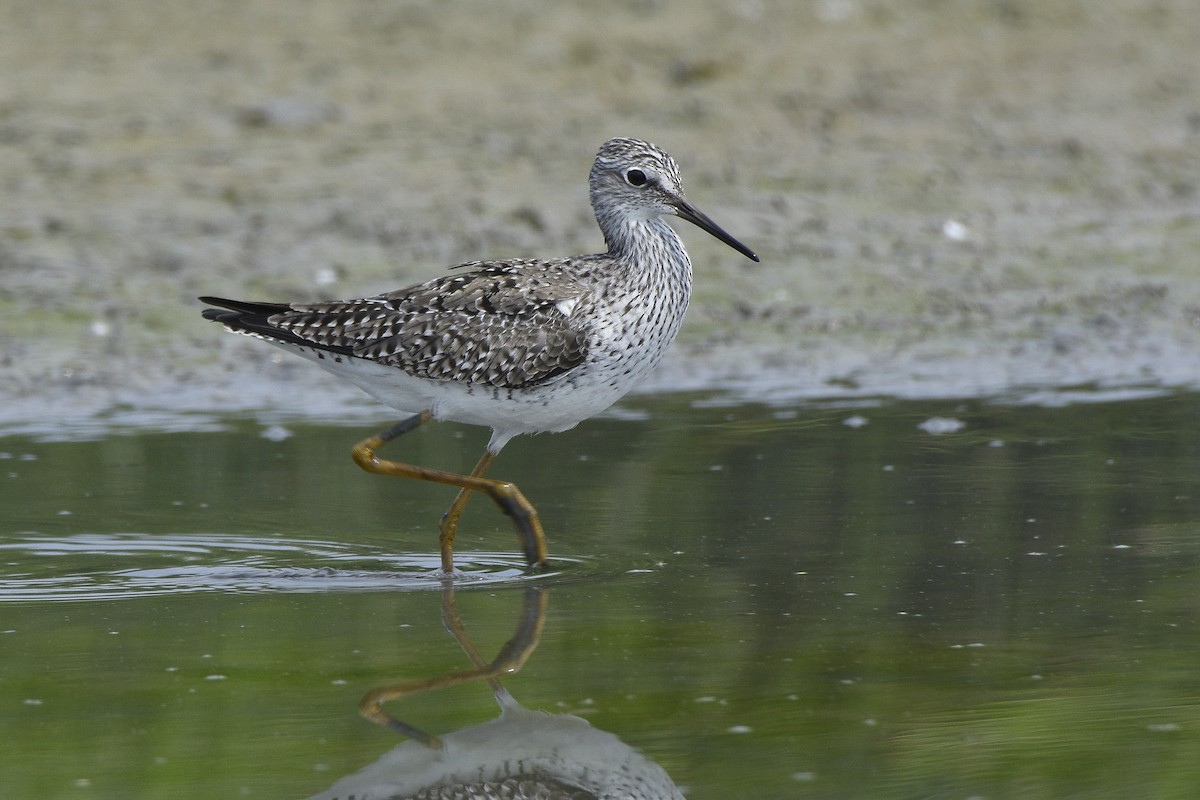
(949, 199)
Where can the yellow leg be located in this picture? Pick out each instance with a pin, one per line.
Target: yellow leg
(507, 496)
(511, 658)
(449, 525)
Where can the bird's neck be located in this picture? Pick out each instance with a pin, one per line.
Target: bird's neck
(650, 249)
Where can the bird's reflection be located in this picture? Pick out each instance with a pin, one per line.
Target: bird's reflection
(521, 754)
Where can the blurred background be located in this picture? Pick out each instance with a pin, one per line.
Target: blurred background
(949, 198)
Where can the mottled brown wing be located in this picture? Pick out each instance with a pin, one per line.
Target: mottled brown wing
(503, 325)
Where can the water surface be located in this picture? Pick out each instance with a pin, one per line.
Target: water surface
(817, 601)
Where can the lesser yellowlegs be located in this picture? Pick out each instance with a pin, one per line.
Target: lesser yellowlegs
(519, 346)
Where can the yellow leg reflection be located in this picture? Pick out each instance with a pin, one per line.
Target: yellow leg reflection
(512, 657)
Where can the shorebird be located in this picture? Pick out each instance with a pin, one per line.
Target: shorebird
(519, 346)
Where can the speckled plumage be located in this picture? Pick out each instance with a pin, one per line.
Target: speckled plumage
(523, 345)
(519, 346)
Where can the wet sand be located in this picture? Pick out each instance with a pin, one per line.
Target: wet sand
(949, 199)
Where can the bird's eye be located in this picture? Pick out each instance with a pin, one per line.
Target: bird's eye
(635, 177)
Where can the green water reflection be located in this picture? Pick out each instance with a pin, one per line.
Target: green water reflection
(766, 602)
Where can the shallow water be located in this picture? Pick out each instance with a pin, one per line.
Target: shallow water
(815, 601)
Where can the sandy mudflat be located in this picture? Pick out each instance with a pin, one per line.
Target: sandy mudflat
(949, 198)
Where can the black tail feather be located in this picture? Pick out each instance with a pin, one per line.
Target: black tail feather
(244, 306)
(243, 316)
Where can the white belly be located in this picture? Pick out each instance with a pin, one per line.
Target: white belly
(550, 407)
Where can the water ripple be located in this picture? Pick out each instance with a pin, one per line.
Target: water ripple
(90, 566)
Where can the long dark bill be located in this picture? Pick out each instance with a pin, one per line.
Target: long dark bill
(687, 211)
